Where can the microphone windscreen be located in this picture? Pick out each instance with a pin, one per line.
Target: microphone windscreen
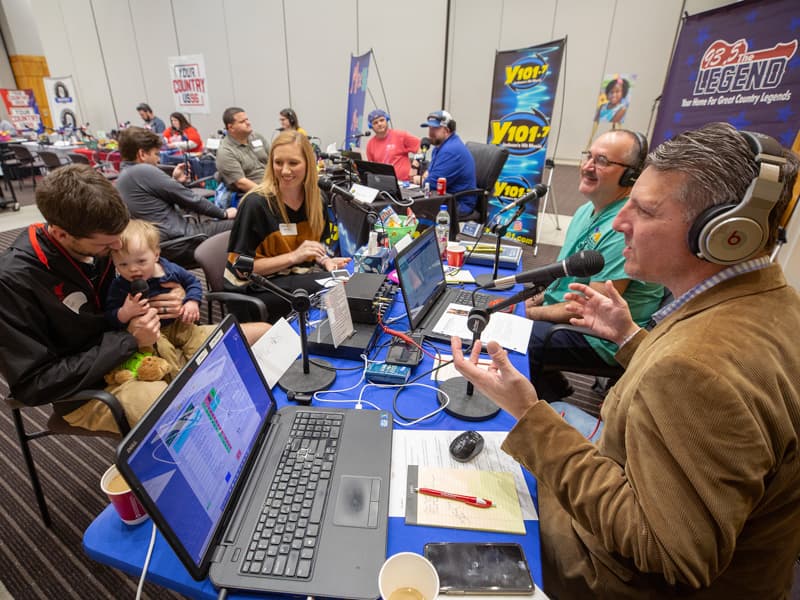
(139, 286)
(585, 263)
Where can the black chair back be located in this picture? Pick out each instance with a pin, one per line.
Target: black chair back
(212, 256)
(51, 160)
(489, 161)
(79, 159)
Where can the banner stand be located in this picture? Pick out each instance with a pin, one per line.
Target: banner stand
(550, 165)
(524, 87)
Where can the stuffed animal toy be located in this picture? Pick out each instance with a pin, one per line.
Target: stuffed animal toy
(142, 366)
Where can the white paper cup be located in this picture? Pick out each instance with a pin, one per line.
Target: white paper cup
(408, 570)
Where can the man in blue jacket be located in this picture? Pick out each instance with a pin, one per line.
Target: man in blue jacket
(452, 160)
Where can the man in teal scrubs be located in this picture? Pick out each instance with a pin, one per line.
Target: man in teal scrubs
(608, 170)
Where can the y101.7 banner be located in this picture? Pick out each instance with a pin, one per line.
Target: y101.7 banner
(523, 94)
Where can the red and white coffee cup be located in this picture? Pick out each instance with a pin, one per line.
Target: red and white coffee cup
(128, 507)
(455, 255)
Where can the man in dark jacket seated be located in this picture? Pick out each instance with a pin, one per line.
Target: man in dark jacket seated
(54, 278)
(154, 196)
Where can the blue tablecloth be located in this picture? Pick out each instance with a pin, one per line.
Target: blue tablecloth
(111, 542)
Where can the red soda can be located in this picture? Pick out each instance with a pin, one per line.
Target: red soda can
(441, 186)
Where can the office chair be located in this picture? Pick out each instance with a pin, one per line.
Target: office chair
(51, 160)
(58, 426)
(181, 250)
(10, 167)
(212, 256)
(489, 160)
(26, 160)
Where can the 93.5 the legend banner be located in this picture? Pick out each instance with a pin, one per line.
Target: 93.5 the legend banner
(523, 94)
(739, 63)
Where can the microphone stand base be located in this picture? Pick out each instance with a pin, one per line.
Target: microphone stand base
(318, 377)
(475, 407)
(483, 280)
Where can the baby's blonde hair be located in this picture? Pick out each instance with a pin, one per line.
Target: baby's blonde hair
(138, 230)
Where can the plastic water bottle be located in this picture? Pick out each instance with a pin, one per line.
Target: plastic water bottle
(443, 228)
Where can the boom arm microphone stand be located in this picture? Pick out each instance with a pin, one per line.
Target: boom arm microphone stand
(303, 376)
(465, 402)
(499, 230)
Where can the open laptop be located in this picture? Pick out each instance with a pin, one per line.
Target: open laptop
(383, 177)
(425, 292)
(204, 461)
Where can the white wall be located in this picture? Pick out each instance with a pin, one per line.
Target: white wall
(268, 54)
(265, 55)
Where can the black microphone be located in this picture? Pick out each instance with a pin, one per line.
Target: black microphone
(365, 134)
(139, 286)
(425, 144)
(221, 132)
(327, 185)
(330, 155)
(538, 191)
(580, 264)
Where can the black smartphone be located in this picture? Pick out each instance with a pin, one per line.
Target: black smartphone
(401, 353)
(480, 568)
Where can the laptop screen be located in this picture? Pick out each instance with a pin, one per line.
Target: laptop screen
(421, 275)
(186, 456)
(379, 176)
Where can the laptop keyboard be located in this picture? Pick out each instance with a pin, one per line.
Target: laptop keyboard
(287, 532)
(465, 297)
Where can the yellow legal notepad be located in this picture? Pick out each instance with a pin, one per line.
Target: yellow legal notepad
(505, 515)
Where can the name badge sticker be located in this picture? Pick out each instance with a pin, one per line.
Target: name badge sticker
(288, 228)
(257, 143)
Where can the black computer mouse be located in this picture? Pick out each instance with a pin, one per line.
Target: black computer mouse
(466, 446)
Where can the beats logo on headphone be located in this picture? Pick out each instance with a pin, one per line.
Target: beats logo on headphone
(631, 174)
(726, 234)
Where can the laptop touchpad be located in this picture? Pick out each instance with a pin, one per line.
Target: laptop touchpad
(357, 502)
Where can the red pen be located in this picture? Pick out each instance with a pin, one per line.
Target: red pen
(471, 500)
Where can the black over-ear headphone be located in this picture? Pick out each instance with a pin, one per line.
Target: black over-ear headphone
(726, 234)
(631, 174)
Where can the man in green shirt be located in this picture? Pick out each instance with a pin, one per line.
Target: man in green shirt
(608, 170)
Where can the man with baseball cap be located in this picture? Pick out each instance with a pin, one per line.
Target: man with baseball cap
(390, 146)
(450, 159)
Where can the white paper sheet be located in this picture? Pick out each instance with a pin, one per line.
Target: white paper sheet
(277, 350)
(431, 448)
(510, 331)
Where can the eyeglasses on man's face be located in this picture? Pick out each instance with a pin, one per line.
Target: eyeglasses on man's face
(600, 160)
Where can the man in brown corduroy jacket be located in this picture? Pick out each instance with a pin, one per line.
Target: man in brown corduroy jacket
(693, 489)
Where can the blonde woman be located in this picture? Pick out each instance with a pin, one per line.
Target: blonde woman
(281, 223)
